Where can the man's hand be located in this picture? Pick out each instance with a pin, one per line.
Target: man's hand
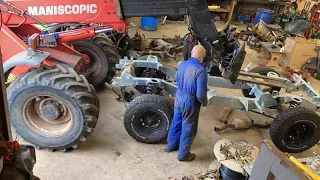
(203, 108)
(210, 95)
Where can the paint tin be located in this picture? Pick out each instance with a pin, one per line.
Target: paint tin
(315, 165)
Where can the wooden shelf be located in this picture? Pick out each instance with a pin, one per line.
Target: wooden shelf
(264, 2)
(227, 12)
(221, 10)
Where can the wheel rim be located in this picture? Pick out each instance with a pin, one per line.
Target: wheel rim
(93, 68)
(47, 116)
(299, 132)
(150, 121)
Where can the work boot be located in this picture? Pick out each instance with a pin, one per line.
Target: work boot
(189, 157)
(170, 150)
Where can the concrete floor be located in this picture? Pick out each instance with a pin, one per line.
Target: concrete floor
(110, 153)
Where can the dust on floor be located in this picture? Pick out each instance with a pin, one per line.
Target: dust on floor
(110, 153)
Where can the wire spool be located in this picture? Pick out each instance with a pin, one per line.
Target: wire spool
(228, 174)
(230, 169)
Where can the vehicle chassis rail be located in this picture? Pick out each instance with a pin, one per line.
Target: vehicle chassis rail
(262, 98)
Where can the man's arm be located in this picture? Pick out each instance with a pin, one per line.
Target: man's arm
(202, 86)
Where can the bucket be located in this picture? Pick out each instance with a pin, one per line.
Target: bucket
(243, 18)
(265, 15)
(149, 23)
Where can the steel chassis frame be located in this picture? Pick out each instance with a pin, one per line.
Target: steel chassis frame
(261, 101)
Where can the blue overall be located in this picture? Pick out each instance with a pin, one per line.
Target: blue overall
(192, 81)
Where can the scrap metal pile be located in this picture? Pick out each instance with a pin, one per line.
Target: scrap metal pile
(241, 151)
(162, 47)
(138, 45)
(263, 32)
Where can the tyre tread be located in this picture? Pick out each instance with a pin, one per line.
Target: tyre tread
(108, 50)
(146, 98)
(278, 123)
(82, 95)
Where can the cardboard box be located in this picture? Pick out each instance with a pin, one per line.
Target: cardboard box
(264, 32)
(298, 51)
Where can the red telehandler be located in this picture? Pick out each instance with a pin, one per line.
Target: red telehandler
(52, 103)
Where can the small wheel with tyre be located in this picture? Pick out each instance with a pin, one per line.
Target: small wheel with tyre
(295, 130)
(148, 117)
(262, 70)
(53, 107)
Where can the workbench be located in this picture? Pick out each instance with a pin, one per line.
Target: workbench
(228, 11)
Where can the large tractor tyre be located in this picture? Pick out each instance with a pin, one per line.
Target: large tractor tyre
(148, 118)
(107, 45)
(295, 130)
(101, 67)
(105, 40)
(262, 70)
(53, 107)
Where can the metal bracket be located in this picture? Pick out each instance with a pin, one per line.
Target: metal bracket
(149, 62)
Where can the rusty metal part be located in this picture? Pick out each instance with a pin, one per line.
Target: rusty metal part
(11, 146)
(217, 129)
(140, 43)
(3, 147)
(241, 124)
(277, 82)
(225, 151)
(209, 174)
(162, 47)
(48, 116)
(243, 153)
(177, 40)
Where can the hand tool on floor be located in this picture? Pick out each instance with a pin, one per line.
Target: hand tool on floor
(316, 154)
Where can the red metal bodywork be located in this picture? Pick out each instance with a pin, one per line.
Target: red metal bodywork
(104, 12)
(17, 27)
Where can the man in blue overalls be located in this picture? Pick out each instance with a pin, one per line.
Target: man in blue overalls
(192, 81)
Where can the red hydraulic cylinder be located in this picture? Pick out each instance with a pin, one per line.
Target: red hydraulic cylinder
(75, 35)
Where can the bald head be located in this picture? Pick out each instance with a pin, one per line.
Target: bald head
(198, 52)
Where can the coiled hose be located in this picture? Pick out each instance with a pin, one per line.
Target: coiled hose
(227, 174)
